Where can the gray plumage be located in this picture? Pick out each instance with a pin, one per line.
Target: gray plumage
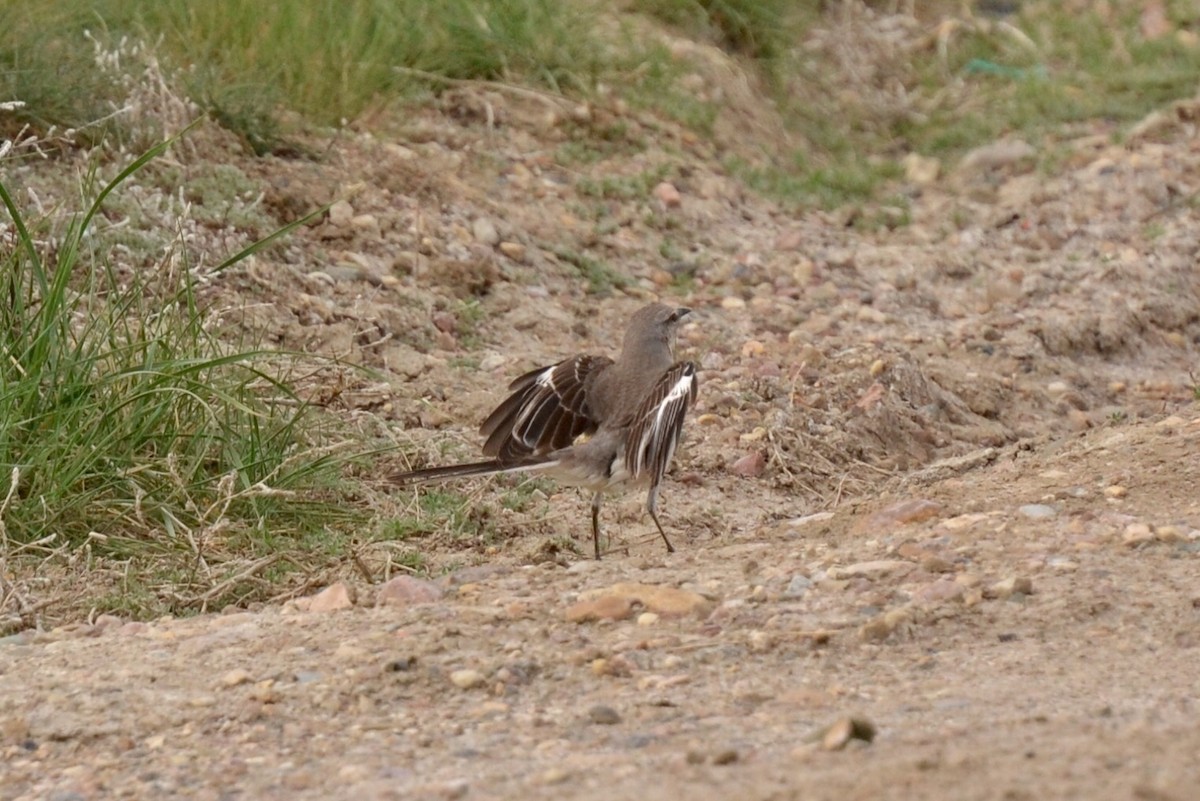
(592, 422)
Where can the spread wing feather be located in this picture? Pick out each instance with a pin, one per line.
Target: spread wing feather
(547, 410)
(659, 423)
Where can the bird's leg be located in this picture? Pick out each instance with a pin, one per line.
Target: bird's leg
(596, 523)
(651, 504)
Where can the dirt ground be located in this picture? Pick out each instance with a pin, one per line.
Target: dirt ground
(937, 517)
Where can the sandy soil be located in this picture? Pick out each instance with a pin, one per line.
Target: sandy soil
(937, 516)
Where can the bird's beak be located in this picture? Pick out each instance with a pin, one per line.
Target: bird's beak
(681, 312)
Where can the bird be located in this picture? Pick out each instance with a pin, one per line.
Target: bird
(593, 422)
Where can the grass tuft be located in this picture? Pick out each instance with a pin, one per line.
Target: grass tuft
(131, 430)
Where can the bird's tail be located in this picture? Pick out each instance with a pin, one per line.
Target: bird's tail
(474, 469)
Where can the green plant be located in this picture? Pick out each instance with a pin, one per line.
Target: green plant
(470, 315)
(600, 277)
(442, 512)
(623, 187)
(754, 28)
(133, 432)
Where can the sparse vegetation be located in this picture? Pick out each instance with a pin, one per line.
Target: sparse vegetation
(599, 276)
(623, 187)
(858, 97)
(131, 429)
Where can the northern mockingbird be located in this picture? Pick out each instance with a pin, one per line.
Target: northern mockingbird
(592, 422)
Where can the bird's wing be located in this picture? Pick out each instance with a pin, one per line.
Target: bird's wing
(548, 409)
(659, 422)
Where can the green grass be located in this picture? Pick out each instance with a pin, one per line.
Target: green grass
(1071, 67)
(329, 61)
(443, 514)
(131, 432)
(599, 277)
(757, 29)
(623, 187)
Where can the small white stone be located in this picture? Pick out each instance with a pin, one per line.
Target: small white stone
(467, 679)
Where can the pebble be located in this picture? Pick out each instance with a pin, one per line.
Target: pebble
(726, 756)
(921, 170)
(1079, 420)
(554, 776)
(1115, 491)
(880, 627)
(797, 587)
(815, 517)
(1169, 533)
(617, 666)
(870, 314)
(757, 435)
(647, 619)
(467, 679)
(365, 222)
(604, 607)
(514, 250)
(940, 591)
(341, 213)
(1037, 511)
(840, 733)
(732, 303)
(911, 510)
(603, 715)
(749, 466)
(937, 564)
(761, 641)
(664, 601)
(870, 570)
(399, 151)
(331, 599)
(404, 590)
(996, 156)
(1009, 587)
(233, 678)
(668, 195)
(1137, 534)
(789, 240)
(753, 348)
(484, 231)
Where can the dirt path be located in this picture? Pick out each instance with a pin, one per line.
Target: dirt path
(942, 479)
(1082, 688)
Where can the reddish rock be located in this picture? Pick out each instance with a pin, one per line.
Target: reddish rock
(749, 466)
(668, 195)
(406, 591)
(938, 592)
(604, 607)
(332, 598)
(619, 602)
(912, 510)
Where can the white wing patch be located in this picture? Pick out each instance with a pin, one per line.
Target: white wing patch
(656, 430)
